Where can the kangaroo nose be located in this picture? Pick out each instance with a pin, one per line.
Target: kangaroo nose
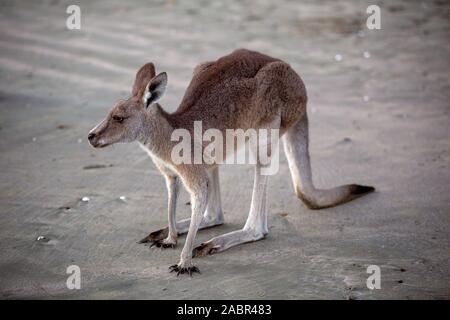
(91, 136)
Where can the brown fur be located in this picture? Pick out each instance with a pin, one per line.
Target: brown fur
(242, 90)
(233, 92)
(143, 77)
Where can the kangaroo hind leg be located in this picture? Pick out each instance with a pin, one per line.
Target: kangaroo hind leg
(256, 226)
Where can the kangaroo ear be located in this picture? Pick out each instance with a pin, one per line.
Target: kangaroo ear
(155, 89)
(143, 76)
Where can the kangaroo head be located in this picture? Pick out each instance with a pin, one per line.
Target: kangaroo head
(126, 120)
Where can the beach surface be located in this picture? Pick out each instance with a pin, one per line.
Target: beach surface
(379, 115)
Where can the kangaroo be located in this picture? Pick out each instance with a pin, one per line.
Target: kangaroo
(244, 89)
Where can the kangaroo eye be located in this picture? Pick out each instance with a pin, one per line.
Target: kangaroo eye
(118, 118)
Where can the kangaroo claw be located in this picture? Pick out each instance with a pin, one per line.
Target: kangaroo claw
(156, 235)
(182, 270)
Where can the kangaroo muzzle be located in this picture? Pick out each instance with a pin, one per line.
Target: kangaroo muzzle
(95, 134)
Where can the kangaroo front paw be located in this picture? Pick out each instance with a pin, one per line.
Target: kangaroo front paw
(164, 243)
(184, 268)
(205, 249)
(156, 235)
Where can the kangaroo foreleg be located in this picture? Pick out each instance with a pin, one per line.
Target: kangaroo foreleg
(196, 181)
(212, 217)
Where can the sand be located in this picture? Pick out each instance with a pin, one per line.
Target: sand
(378, 118)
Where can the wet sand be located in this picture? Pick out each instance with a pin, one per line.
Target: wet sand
(380, 118)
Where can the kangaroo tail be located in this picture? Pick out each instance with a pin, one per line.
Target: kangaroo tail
(297, 152)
